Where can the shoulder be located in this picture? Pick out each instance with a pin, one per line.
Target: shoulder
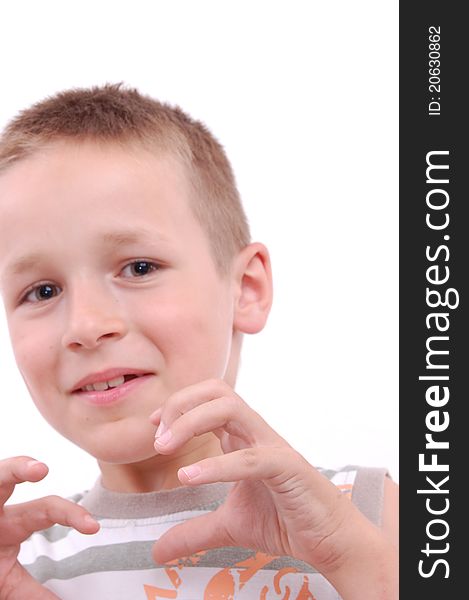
(390, 520)
(376, 495)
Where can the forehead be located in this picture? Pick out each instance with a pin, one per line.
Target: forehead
(76, 164)
(98, 177)
(84, 193)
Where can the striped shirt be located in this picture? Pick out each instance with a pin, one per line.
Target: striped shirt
(116, 562)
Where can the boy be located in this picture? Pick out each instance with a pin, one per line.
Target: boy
(128, 279)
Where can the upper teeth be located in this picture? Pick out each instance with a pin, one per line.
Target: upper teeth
(103, 385)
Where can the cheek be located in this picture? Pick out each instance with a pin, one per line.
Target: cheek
(34, 354)
(37, 357)
(194, 337)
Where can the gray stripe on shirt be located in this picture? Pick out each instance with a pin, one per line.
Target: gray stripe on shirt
(137, 556)
(368, 492)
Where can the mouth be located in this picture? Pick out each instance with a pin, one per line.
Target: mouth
(111, 391)
(108, 379)
(102, 386)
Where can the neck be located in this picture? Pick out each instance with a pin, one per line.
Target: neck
(158, 472)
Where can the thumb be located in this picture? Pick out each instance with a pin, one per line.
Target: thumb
(199, 533)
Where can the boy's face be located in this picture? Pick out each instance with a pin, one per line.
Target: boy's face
(121, 277)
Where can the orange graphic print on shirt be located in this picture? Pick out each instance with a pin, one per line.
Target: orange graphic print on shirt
(226, 582)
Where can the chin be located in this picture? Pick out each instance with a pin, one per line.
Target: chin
(124, 455)
(121, 442)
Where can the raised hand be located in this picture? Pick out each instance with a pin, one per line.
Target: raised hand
(279, 505)
(19, 521)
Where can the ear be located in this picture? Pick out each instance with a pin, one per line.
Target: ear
(253, 288)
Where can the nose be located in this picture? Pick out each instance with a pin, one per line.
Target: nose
(93, 316)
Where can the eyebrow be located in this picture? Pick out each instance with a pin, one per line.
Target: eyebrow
(114, 239)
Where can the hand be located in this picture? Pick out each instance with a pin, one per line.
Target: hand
(279, 504)
(19, 521)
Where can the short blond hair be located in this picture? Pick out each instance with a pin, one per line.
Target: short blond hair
(113, 113)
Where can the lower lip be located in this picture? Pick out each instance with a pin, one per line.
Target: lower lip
(112, 395)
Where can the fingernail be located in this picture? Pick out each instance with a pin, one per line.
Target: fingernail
(161, 429)
(33, 463)
(191, 471)
(89, 520)
(163, 439)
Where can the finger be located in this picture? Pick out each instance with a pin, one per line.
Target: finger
(25, 586)
(229, 413)
(199, 533)
(188, 398)
(18, 470)
(156, 416)
(282, 470)
(42, 513)
(269, 464)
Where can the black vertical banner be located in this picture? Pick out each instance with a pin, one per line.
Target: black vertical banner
(434, 268)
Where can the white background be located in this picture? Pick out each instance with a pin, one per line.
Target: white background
(303, 95)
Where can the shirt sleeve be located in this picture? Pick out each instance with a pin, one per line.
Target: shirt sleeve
(368, 492)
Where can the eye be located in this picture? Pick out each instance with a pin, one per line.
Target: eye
(39, 293)
(139, 268)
